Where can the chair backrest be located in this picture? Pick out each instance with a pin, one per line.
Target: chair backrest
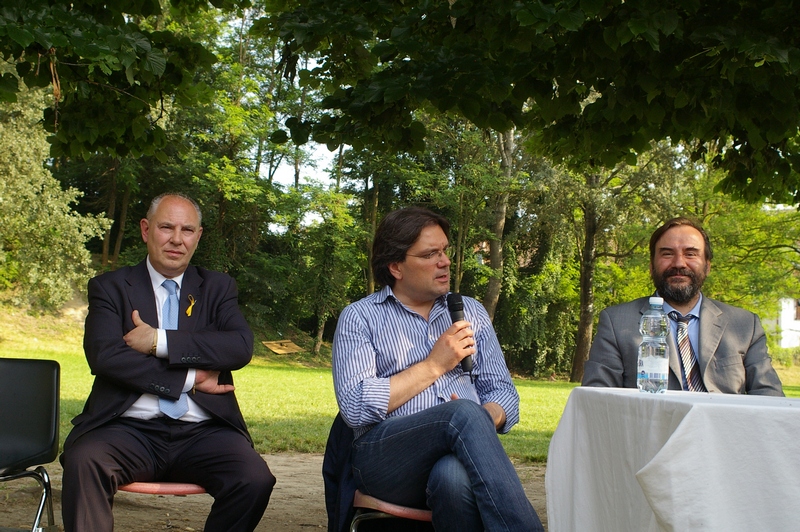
(29, 415)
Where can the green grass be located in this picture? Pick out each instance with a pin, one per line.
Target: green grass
(288, 405)
(541, 406)
(790, 378)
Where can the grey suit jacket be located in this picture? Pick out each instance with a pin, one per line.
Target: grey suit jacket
(732, 351)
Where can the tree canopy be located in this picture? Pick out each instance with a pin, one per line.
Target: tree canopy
(531, 125)
(597, 80)
(113, 67)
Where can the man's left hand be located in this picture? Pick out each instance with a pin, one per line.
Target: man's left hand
(494, 409)
(208, 382)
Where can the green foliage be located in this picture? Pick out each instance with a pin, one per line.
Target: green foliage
(597, 81)
(332, 251)
(623, 280)
(755, 246)
(304, 271)
(536, 318)
(42, 239)
(785, 356)
(110, 67)
(389, 74)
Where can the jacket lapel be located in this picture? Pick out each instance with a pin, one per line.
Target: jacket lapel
(190, 291)
(140, 294)
(712, 327)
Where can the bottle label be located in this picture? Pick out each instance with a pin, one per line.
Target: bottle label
(655, 367)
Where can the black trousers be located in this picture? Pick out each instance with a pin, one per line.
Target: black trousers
(210, 454)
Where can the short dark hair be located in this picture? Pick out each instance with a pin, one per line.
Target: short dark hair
(396, 234)
(675, 222)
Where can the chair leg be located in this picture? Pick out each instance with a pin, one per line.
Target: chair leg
(366, 515)
(47, 500)
(40, 475)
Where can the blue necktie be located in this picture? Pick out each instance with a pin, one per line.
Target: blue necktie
(169, 319)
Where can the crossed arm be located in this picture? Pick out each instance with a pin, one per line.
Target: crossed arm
(141, 339)
(117, 342)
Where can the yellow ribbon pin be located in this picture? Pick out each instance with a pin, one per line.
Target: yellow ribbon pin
(192, 301)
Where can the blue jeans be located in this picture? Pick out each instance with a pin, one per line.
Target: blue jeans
(450, 458)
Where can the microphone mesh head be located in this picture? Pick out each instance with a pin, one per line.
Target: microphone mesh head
(454, 301)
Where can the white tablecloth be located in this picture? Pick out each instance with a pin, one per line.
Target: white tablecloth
(623, 460)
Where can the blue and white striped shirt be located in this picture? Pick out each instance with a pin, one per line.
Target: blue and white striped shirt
(378, 337)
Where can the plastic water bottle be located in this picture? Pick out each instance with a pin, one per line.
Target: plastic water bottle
(653, 367)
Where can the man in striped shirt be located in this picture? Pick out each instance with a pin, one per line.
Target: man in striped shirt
(425, 433)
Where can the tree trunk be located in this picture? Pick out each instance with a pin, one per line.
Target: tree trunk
(586, 320)
(123, 218)
(462, 226)
(297, 155)
(506, 143)
(339, 165)
(110, 212)
(259, 156)
(318, 339)
(371, 208)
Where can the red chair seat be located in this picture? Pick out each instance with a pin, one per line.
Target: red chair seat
(163, 488)
(368, 507)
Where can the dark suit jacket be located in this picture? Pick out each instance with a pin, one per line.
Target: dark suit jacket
(337, 476)
(215, 337)
(732, 352)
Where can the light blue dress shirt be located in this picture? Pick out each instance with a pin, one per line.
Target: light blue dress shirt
(378, 337)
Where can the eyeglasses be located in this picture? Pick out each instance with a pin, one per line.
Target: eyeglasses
(437, 254)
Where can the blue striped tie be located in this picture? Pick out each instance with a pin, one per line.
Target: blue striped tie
(169, 318)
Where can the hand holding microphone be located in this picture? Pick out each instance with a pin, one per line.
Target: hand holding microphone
(455, 305)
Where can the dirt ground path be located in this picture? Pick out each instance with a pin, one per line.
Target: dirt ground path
(297, 504)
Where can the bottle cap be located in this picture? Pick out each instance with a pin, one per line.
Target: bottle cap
(655, 300)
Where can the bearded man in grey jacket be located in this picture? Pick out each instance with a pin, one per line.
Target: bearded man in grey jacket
(728, 345)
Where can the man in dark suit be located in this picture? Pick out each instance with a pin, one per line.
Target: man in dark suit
(162, 339)
(727, 348)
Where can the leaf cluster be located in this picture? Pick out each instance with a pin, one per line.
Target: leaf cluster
(597, 80)
(110, 67)
(42, 240)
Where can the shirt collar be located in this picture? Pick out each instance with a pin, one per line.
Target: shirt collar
(157, 279)
(383, 294)
(694, 312)
(386, 292)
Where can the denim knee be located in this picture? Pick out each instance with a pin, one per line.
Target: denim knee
(451, 497)
(448, 479)
(465, 411)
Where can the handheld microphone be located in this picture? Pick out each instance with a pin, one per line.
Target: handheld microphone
(455, 305)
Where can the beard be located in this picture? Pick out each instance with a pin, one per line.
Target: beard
(682, 293)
